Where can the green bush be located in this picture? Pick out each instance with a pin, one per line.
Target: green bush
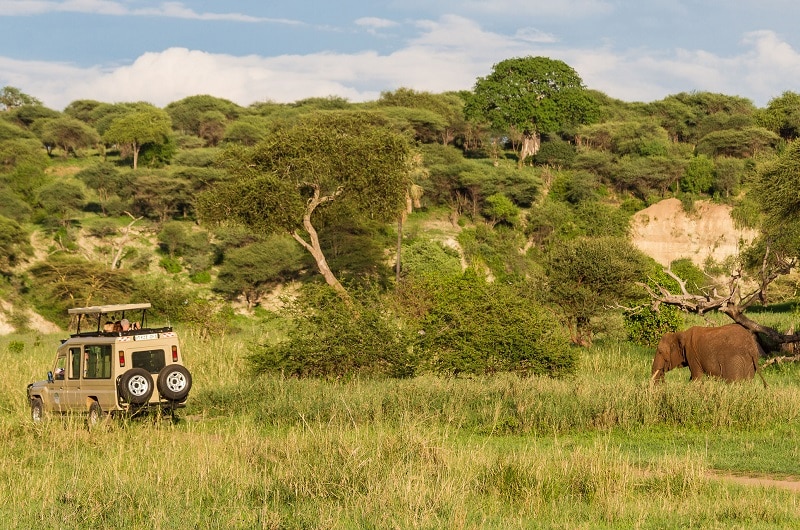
(646, 327)
(555, 153)
(333, 338)
(171, 265)
(472, 326)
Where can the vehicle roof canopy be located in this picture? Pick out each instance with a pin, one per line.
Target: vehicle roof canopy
(102, 309)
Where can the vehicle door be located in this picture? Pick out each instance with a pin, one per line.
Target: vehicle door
(72, 379)
(97, 371)
(58, 386)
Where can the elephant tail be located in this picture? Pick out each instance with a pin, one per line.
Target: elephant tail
(758, 371)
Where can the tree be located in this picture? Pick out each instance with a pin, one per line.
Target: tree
(699, 176)
(64, 281)
(434, 117)
(253, 270)
(11, 98)
(474, 326)
(328, 166)
(14, 244)
(161, 196)
(67, 133)
(63, 200)
(192, 113)
(148, 125)
(782, 115)
(499, 208)
(531, 95)
(587, 275)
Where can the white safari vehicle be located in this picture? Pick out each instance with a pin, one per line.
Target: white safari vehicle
(120, 366)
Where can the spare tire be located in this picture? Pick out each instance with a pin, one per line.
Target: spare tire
(174, 382)
(136, 386)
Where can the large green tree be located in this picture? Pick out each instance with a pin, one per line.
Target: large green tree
(67, 133)
(530, 96)
(328, 166)
(134, 129)
(587, 275)
(782, 115)
(12, 97)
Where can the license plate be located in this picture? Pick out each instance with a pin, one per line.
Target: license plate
(148, 336)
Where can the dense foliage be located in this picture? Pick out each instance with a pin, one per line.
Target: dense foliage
(108, 202)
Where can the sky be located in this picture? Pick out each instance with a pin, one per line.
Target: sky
(250, 51)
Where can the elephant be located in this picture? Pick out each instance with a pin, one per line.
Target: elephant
(729, 352)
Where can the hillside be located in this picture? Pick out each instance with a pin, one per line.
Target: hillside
(665, 232)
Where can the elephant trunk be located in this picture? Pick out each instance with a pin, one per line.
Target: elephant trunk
(658, 370)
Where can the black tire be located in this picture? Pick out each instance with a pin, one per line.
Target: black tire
(136, 386)
(95, 415)
(37, 410)
(174, 382)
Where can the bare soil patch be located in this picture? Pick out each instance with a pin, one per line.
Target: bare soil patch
(788, 483)
(666, 232)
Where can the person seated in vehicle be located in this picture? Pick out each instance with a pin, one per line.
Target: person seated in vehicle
(108, 327)
(125, 324)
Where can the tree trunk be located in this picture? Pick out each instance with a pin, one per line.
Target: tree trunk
(136, 148)
(530, 146)
(313, 245)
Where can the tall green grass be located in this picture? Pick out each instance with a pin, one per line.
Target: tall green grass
(602, 449)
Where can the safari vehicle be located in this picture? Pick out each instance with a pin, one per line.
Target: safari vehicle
(120, 366)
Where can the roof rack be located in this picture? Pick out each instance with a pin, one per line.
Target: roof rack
(102, 309)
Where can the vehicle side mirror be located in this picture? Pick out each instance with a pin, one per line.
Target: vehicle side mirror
(49, 377)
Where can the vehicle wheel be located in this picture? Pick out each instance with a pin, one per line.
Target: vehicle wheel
(174, 382)
(37, 410)
(95, 415)
(136, 386)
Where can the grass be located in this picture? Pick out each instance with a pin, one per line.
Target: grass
(600, 450)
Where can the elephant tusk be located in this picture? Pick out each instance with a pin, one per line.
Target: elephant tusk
(655, 374)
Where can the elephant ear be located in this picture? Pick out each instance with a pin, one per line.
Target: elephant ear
(677, 351)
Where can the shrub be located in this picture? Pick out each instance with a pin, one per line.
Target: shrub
(171, 265)
(646, 326)
(472, 326)
(333, 338)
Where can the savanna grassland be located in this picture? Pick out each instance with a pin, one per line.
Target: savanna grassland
(601, 449)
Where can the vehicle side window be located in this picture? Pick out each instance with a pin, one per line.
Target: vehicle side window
(150, 360)
(75, 363)
(98, 362)
(61, 363)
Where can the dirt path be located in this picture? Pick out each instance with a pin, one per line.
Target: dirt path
(788, 483)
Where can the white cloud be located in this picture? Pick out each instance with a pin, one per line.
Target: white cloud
(447, 54)
(566, 8)
(375, 22)
(116, 8)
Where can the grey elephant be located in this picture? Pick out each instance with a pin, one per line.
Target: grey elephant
(729, 352)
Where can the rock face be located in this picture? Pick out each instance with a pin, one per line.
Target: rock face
(666, 232)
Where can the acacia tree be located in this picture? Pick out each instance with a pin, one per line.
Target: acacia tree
(70, 134)
(530, 96)
(327, 166)
(11, 98)
(585, 273)
(782, 115)
(134, 129)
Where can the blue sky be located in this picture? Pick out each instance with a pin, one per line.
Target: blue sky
(260, 50)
